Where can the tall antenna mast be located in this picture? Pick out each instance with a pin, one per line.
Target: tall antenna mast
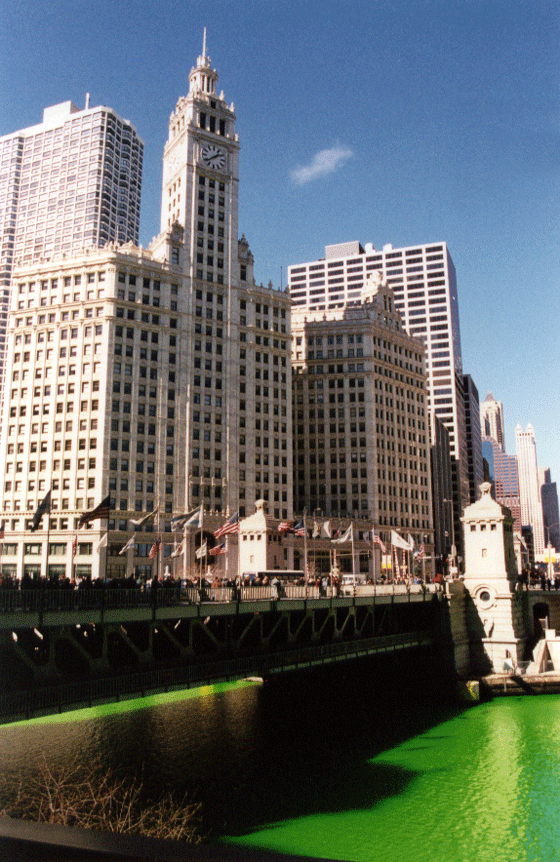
(204, 44)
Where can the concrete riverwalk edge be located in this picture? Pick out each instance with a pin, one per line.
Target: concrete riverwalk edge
(507, 684)
(22, 840)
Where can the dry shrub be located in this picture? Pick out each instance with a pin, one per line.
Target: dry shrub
(78, 796)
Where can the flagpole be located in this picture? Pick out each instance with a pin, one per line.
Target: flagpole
(48, 534)
(304, 544)
(353, 557)
(201, 537)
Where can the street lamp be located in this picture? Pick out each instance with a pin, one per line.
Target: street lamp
(452, 567)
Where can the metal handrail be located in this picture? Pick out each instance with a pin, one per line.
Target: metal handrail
(43, 599)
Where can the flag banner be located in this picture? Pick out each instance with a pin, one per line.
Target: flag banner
(101, 511)
(129, 544)
(230, 526)
(202, 551)
(316, 530)
(2, 529)
(411, 542)
(154, 550)
(44, 506)
(299, 527)
(138, 521)
(377, 541)
(398, 541)
(188, 519)
(178, 550)
(397, 572)
(102, 542)
(285, 526)
(75, 546)
(422, 551)
(218, 549)
(346, 536)
(326, 530)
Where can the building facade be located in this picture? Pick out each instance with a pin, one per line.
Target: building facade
(492, 419)
(474, 438)
(145, 376)
(424, 287)
(504, 478)
(69, 183)
(551, 518)
(442, 492)
(361, 443)
(529, 486)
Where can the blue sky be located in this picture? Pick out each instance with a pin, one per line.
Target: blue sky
(401, 122)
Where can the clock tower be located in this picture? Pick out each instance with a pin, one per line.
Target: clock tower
(201, 177)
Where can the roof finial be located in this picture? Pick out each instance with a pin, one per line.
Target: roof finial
(204, 44)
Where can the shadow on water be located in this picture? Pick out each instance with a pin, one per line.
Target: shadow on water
(298, 745)
(322, 763)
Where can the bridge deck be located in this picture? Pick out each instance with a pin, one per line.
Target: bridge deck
(32, 608)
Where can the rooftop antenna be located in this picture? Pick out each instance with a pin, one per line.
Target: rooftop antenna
(204, 44)
(87, 101)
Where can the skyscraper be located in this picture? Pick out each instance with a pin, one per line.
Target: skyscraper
(361, 441)
(69, 183)
(549, 496)
(148, 375)
(529, 486)
(474, 440)
(423, 281)
(492, 419)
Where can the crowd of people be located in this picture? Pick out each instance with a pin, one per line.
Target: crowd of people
(323, 584)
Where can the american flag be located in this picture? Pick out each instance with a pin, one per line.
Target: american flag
(100, 511)
(285, 526)
(154, 550)
(422, 551)
(218, 549)
(75, 546)
(230, 526)
(377, 541)
(299, 527)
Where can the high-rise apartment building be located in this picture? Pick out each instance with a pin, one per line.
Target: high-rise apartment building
(361, 442)
(69, 183)
(529, 486)
(423, 281)
(148, 375)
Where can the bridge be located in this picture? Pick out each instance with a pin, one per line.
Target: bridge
(63, 649)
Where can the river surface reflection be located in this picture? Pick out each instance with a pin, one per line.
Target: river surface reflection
(332, 764)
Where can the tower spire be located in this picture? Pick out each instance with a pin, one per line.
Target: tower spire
(204, 44)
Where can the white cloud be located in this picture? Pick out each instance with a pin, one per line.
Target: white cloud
(323, 163)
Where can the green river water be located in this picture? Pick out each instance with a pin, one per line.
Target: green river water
(325, 766)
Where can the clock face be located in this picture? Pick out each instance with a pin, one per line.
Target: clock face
(213, 156)
(173, 164)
